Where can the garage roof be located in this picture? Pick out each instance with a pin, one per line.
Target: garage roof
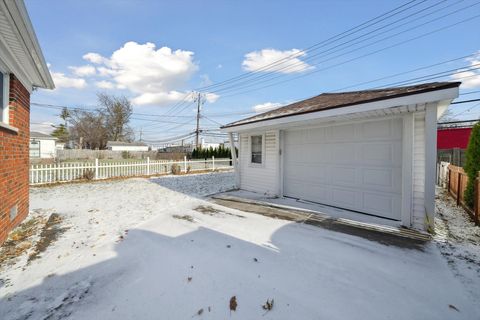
(326, 101)
(39, 135)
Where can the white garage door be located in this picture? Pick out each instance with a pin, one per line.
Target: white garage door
(353, 166)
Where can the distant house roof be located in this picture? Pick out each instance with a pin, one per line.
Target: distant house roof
(326, 101)
(39, 135)
(125, 144)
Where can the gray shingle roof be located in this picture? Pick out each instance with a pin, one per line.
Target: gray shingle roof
(39, 135)
(326, 101)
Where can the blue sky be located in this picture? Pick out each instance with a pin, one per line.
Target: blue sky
(206, 42)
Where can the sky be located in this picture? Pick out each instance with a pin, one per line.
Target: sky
(157, 52)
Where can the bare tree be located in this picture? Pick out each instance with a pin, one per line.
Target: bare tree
(116, 112)
(88, 129)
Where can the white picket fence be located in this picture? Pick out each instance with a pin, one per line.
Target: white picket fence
(64, 172)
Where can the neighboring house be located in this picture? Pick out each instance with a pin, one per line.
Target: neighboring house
(452, 141)
(60, 145)
(22, 68)
(177, 148)
(126, 146)
(207, 145)
(42, 145)
(371, 153)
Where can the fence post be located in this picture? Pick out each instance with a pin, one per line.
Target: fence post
(459, 179)
(185, 163)
(213, 163)
(148, 166)
(96, 168)
(449, 179)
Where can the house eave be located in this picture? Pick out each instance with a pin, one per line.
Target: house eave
(33, 73)
(444, 96)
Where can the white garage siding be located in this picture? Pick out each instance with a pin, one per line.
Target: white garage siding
(418, 201)
(262, 179)
(266, 179)
(356, 166)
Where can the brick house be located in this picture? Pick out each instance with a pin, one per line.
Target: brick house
(22, 68)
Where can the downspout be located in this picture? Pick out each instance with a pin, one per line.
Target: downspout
(236, 168)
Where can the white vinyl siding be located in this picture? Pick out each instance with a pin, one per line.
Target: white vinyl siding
(254, 177)
(418, 205)
(268, 179)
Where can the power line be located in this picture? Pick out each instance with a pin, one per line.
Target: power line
(349, 43)
(358, 57)
(405, 72)
(53, 106)
(352, 59)
(342, 35)
(465, 101)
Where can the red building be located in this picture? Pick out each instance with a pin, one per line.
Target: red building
(450, 138)
(22, 68)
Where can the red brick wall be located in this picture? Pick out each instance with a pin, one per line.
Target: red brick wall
(14, 159)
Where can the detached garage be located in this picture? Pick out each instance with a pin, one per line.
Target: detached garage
(370, 152)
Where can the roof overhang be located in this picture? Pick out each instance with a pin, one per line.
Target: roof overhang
(20, 51)
(410, 103)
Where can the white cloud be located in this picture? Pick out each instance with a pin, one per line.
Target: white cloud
(267, 106)
(94, 58)
(153, 75)
(470, 79)
(211, 97)
(104, 84)
(83, 71)
(258, 59)
(63, 81)
(149, 98)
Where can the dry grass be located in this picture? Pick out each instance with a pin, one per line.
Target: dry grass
(20, 240)
(185, 217)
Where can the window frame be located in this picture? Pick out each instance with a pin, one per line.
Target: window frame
(5, 104)
(254, 164)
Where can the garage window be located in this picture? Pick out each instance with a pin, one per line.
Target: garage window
(256, 149)
(4, 90)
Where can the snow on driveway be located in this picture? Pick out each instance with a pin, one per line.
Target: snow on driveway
(148, 249)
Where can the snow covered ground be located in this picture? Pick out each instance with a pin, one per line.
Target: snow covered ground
(459, 241)
(157, 249)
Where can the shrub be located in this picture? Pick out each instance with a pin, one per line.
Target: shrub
(176, 169)
(472, 163)
(89, 174)
(125, 155)
(189, 168)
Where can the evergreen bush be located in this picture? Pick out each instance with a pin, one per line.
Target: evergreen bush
(472, 163)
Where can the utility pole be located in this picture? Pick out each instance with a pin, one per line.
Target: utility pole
(197, 131)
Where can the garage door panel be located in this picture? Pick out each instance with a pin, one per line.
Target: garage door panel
(344, 175)
(342, 132)
(344, 197)
(378, 177)
(343, 153)
(357, 167)
(295, 189)
(382, 205)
